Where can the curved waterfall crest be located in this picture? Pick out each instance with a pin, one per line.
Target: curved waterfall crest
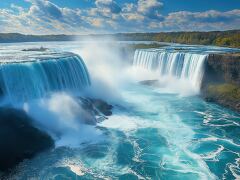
(22, 81)
(188, 66)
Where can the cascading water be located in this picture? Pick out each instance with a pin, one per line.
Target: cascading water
(24, 80)
(150, 135)
(187, 66)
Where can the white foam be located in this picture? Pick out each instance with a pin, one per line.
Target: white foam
(182, 72)
(64, 119)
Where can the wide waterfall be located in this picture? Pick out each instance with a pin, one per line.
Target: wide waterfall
(27, 79)
(186, 66)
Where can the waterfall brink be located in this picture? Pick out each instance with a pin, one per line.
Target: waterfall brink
(185, 66)
(23, 81)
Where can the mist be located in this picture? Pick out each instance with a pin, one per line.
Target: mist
(107, 67)
(62, 116)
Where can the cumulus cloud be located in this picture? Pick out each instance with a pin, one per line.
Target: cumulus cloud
(110, 5)
(44, 8)
(150, 8)
(45, 17)
(147, 10)
(208, 20)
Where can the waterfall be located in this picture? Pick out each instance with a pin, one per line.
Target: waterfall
(187, 66)
(23, 81)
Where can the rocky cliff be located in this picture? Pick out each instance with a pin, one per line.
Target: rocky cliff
(221, 81)
(19, 139)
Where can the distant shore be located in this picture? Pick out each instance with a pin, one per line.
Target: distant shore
(229, 38)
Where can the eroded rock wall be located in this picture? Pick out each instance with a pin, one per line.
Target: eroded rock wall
(221, 81)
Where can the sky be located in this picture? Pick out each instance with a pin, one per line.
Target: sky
(114, 16)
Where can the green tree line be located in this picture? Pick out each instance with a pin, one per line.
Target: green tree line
(220, 38)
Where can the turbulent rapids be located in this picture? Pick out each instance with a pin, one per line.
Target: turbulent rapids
(152, 132)
(35, 76)
(181, 65)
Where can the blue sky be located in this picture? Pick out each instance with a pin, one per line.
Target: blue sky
(111, 16)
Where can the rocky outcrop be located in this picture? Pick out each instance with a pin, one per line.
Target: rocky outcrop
(223, 68)
(102, 107)
(19, 140)
(96, 108)
(221, 81)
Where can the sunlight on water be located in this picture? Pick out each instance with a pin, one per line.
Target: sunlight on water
(154, 133)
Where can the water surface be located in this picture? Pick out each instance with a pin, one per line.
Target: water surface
(154, 135)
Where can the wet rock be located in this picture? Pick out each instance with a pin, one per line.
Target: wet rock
(102, 106)
(19, 139)
(150, 82)
(88, 116)
(41, 49)
(96, 108)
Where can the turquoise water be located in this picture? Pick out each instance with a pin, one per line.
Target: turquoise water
(21, 82)
(151, 135)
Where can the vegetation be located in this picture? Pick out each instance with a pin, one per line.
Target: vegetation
(145, 46)
(226, 91)
(220, 38)
(16, 37)
(225, 94)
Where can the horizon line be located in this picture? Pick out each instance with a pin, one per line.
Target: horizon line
(116, 33)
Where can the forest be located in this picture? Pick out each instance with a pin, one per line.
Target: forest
(229, 38)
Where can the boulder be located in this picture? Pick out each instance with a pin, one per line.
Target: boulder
(19, 139)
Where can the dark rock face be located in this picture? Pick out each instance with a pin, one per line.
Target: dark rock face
(102, 106)
(221, 81)
(150, 82)
(223, 68)
(95, 108)
(19, 139)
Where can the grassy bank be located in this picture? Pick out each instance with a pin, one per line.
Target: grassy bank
(228, 91)
(227, 95)
(145, 46)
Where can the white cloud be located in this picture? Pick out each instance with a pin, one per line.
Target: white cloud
(208, 20)
(150, 8)
(45, 17)
(108, 5)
